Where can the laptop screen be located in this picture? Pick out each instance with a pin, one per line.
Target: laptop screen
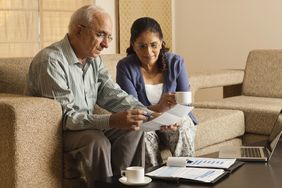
(275, 133)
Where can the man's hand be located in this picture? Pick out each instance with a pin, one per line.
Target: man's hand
(131, 119)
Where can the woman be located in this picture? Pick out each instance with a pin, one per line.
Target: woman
(152, 75)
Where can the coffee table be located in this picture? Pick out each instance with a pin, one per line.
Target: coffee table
(250, 175)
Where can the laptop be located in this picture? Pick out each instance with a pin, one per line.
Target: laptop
(255, 153)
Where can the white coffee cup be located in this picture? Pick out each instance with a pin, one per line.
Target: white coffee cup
(133, 174)
(183, 97)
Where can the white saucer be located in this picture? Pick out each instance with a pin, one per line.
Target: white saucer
(123, 180)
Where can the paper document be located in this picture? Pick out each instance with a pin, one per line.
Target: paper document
(210, 162)
(197, 174)
(169, 117)
(200, 162)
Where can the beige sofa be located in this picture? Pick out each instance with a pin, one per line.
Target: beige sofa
(257, 91)
(31, 133)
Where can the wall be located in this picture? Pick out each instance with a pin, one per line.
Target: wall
(220, 33)
(111, 6)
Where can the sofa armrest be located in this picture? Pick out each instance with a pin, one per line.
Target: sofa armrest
(30, 142)
(220, 78)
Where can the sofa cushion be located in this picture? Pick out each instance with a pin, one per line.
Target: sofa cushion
(110, 61)
(216, 147)
(260, 112)
(262, 73)
(217, 125)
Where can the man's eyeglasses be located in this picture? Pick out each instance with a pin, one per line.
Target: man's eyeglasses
(100, 35)
(104, 36)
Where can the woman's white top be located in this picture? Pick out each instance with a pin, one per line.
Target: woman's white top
(154, 92)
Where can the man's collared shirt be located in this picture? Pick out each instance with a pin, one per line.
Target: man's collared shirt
(56, 73)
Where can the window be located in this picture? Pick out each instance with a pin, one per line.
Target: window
(26, 26)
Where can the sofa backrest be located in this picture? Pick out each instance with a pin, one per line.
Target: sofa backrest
(110, 61)
(263, 74)
(13, 71)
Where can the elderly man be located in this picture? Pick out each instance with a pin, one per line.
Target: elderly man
(71, 72)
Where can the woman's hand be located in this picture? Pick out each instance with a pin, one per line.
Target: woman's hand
(166, 102)
(170, 127)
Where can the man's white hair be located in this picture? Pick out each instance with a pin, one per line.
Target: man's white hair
(83, 16)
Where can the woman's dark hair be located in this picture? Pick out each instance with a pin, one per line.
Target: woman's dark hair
(148, 24)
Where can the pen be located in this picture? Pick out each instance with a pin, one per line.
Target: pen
(188, 161)
(149, 115)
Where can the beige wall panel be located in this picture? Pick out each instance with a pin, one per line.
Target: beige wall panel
(130, 10)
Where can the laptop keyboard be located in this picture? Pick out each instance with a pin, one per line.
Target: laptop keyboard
(250, 152)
